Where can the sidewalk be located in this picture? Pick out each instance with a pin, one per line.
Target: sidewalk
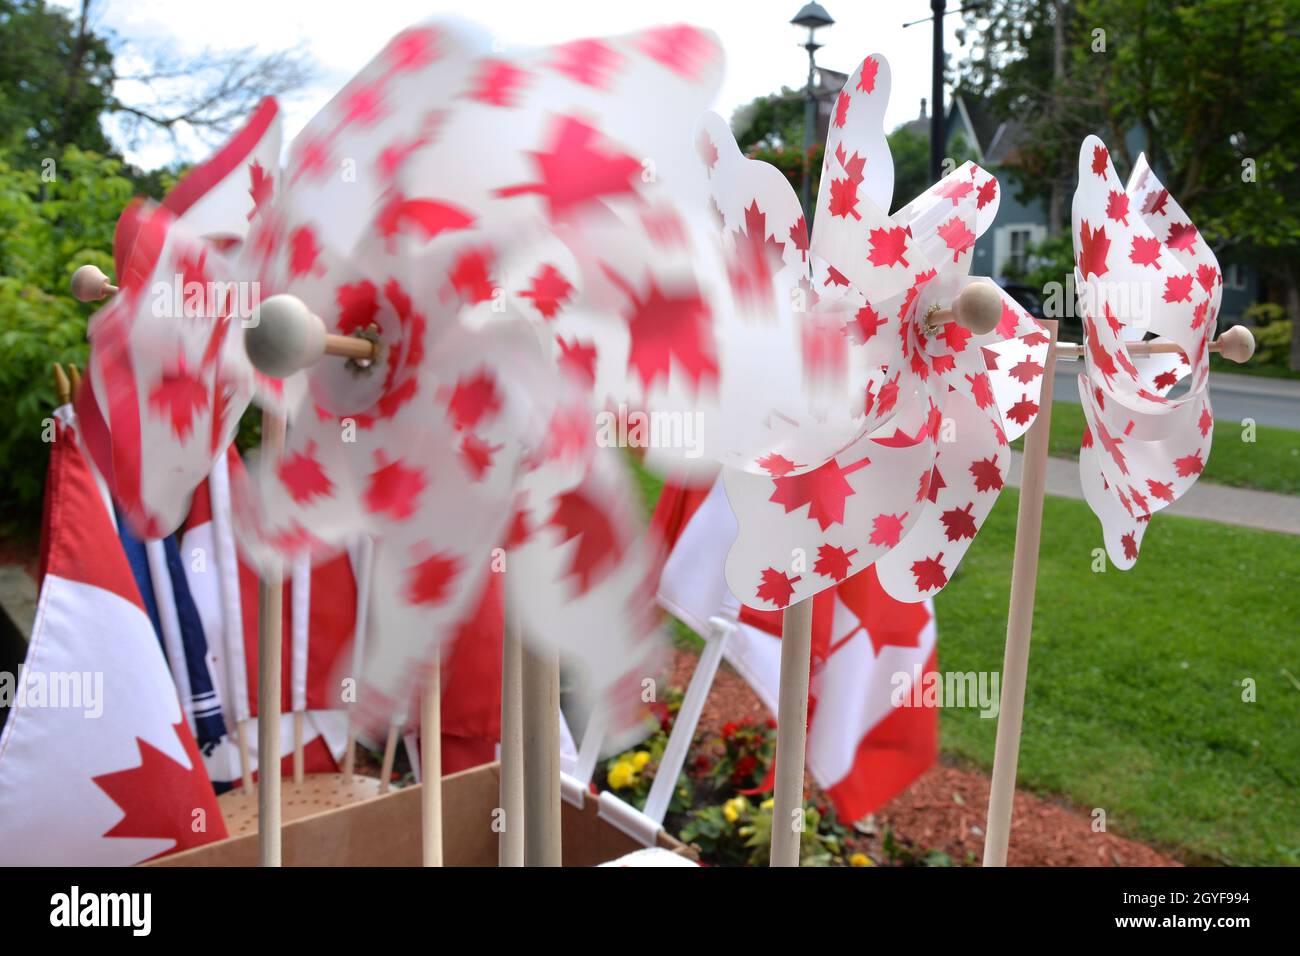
(1244, 507)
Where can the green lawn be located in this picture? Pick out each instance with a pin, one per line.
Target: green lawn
(1135, 699)
(1271, 462)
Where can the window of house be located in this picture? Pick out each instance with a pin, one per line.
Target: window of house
(1234, 277)
(1018, 254)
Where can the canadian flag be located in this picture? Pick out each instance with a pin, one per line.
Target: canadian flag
(866, 650)
(98, 766)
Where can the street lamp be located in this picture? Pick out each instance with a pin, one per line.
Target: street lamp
(813, 16)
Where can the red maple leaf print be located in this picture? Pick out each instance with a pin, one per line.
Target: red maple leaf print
(888, 396)
(959, 523)
(867, 79)
(425, 217)
(1025, 371)
(1166, 380)
(475, 399)
(1022, 411)
(1100, 157)
(548, 291)
(1093, 248)
(1178, 288)
(1139, 499)
(988, 192)
(853, 165)
(844, 199)
(1116, 326)
(176, 396)
(469, 275)
(1145, 252)
(842, 109)
(955, 336)
(1111, 446)
(1199, 313)
(578, 359)
(1006, 324)
(412, 48)
(757, 257)
(577, 169)
(987, 474)
(1117, 207)
(303, 250)
(778, 466)
(1155, 202)
(776, 588)
(1182, 235)
(1207, 276)
(476, 455)
(706, 149)
(823, 490)
(1206, 421)
(150, 793)
(1161, 489)
(497, 83)
(833, 562)
(930, 573)
(394, 488)
(681, 48)
(886, 530)
(1189, 465)
(600, 548)
(981, 389)
(930, 484)
(888, 247)
(589, 62)
(1129, 541)
(955, 190)
(364, 104)
(358, 306)
(303, 476)
(664, 327)
(429, 581)
(799, 237)
(261, 185)
(1102, 359)
(957, 237)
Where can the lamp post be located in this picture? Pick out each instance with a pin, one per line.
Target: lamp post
(813, 16)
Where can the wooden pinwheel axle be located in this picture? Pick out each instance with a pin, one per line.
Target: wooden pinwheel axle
(89, 284)
(978, 307)
(1237, 344)
(289, 336)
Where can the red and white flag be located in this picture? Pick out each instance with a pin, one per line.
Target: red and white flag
(867, 650)
(98, 766)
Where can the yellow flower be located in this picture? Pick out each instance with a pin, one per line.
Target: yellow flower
(860, 859)
(622, 775)
(734, 807)
(767, 804)
(640, 759)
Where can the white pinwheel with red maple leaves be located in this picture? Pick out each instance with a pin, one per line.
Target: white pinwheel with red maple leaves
(866, 436)
(1145, 274)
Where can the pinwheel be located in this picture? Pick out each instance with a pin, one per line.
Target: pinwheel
(1142, 269)
(867, 419)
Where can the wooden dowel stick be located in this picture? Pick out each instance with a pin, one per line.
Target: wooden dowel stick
(1236, 344)
(541, 714)
(350, 752)
(431, 766)
(791, 733)
(245, 758)
(270, 595)
(62, 386)
(1020, 618)
(510, 845)
(350, 346)
(299, 757)
(390, 756)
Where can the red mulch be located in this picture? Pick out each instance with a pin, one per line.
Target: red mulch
(945, 808)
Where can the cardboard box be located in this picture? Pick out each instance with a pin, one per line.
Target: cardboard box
(385, 831)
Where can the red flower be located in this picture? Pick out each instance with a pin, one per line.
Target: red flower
(745, 767)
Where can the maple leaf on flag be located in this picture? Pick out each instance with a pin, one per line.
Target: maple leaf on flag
(548, 291)
(888, 247)
(1207, 276)
(1145, 252)
(303, 251)
(1093, 248)
(778, 466)
(1182, 235)
(680, 47)
(842, 109)
(981, 389)
(577, 169)
(427, 217)
(1117, 207)
(833, 562)
(1206, 421)
(758, 256)
(823, 490)
(799, 237)
(776, 588)
(1139, 499)
(1104, 361)
(1199, 313)
(578, 516)
(429, 581)
(475, 398)
(303, 477)
(476, 455)
(844, 199)
(589, 62)
(1155, 202)
(1100, 157)
(955, 336)
(867, 79)
(1025, 371)
(957, 237)
(497, 83)
(1166, 380)
(959, 523)
(394, 488)
(886, 530)
(706, 149)
(469, 275)
(987, 474)
(177, 395)
(1023, 410)
(1129, 541)
(261, 185)
(1189, 465)
(358, 305)
(1111, 445)
(955, 190)
(1178, 288)
(578, 359)
(930, 573)
(1161, 489)
(854, 165)
(930, 484)
(664, 327)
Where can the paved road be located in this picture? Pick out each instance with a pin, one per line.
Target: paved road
(1269, 401)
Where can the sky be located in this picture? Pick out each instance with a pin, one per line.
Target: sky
(763, 49)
